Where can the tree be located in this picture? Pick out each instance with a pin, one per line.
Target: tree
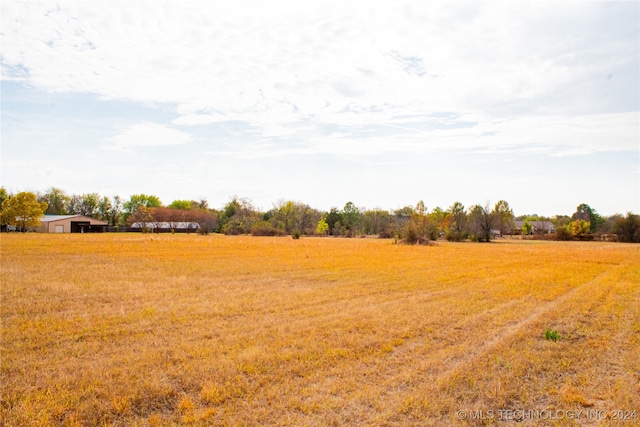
(438, 215)
(376, 221)
(115, 211)
(421, 228)
(74, 205)
(627, 228)
(292, 217)
(84, 204)
(579, 227)
(482, 222)
(334, 216)
(588, 214)
(504, 217)
(208, 220)
(140, 200)
(104, 207)
(560, 221)
(57, 201)
(351, 217)
(183, 204)
(459, 217)
(238, 216)
(23, 210)
(401, 218)
(455, 223)
(143, 216)
(3, 195)
(322, 228)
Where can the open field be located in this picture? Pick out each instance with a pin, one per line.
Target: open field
(111, 329)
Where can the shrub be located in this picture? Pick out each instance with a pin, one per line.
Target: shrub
(552, 335)
(628, 228)
(296, 235)
(455, 236)
(264, 229)
(562, 234)
(385, 234)
(233, 230)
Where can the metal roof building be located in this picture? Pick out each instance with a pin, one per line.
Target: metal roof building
(71, 224)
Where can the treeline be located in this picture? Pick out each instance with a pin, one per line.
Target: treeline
(411, 224)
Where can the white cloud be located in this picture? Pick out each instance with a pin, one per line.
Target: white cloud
(300, 62)
(147, 135)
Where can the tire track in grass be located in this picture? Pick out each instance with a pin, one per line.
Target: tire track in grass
(391, 377)
(459, 363)
(510, 330)
(388, 377)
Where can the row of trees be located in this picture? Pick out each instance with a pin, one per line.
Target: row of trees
(413, 224)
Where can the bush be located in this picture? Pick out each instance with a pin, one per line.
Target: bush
(234, 229)
(628, 228)
(552, 335)
(385, 234)
(455, 236)
(264, 229)
(562, 234)
(296, 235)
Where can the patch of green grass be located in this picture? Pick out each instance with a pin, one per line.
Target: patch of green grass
(552, 335)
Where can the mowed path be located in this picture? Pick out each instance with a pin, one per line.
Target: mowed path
(213, 330)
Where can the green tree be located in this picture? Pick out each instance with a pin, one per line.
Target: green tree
(334, 216)
(438, 215)
(504, 217)
(588, 214)
(376, 221)
(421, 228)
(322, 228)
(115, 212)
(351, 217)
(23, 210)
(57, 201)
(84, 204)
(140, 200)
(293, 217)
(183, 204)
(3, 194)
(238, 216)
(104, 207)
(580, 227)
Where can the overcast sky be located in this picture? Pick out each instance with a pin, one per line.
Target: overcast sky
(382, 103)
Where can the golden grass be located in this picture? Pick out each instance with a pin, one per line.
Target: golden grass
(216, 330)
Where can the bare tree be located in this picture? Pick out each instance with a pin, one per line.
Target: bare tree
(483, 220)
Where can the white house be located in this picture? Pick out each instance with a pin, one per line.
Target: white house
(537, 227)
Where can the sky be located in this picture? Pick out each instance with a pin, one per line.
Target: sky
(381, 103)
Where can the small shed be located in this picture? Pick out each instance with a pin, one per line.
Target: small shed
(71, 224)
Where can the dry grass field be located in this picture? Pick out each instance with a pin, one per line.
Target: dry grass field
(112, 329)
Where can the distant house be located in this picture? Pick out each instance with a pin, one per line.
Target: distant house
(165, 226)
(537, 227)
(71, 224)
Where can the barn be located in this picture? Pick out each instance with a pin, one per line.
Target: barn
(71, 224)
